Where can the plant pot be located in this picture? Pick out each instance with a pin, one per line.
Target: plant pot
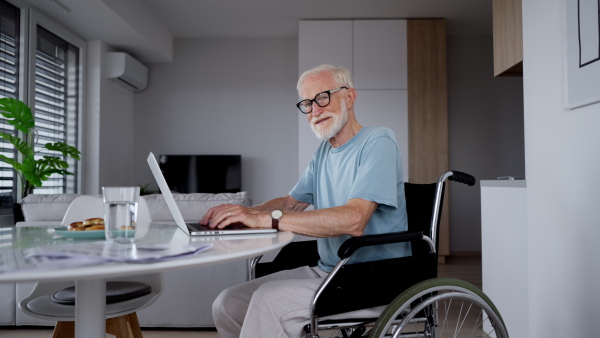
(18, 213)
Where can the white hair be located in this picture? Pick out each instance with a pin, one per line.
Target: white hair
(341, 76)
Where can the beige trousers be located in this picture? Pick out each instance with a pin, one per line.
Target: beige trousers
(277, 305)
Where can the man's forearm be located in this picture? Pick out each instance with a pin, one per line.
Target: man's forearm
(286, 203)
(350, 219)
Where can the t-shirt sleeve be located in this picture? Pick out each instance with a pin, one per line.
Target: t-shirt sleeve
(304, 189)
(378, 172)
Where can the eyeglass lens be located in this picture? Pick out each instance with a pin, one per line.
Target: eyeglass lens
(322, 100)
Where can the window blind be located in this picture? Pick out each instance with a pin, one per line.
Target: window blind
(9, 77)
(56, 103)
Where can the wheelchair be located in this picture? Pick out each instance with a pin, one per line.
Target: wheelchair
(418, 303)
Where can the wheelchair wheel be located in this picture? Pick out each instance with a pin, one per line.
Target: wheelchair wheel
(440, 307)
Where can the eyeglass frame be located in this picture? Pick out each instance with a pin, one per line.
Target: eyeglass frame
(314, 100)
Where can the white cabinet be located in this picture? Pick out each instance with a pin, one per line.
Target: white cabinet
(380, 57)
(392, 112)
(504, 251)
(319, 42)
(322, 42)
(375, 51)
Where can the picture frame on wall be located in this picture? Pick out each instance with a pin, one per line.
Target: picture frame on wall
(582, 59)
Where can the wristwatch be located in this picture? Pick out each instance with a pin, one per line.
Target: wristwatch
(276, 216)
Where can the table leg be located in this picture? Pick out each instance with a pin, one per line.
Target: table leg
(90, 308)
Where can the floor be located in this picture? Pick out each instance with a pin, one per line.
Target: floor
(467, 267)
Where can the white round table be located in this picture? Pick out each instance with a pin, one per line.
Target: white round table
(90, 281)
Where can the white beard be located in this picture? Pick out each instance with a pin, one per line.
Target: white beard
(339, 121)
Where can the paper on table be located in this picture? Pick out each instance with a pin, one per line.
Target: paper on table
(115, 252)
(84, 254)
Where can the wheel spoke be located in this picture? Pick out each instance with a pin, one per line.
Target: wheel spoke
(477, 325)
(446, 312)
(459, 327)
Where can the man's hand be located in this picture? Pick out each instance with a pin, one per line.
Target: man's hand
(226, 214)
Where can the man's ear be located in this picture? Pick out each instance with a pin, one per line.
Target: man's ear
(350, 97)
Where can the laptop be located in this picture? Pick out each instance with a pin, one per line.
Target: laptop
(195, 229)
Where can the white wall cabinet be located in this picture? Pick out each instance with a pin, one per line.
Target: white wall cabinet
(392, 113)
(375, 51)
(326, 41)
(380, 57)
(320, 42)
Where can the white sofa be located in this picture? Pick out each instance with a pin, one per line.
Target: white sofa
(188, 294)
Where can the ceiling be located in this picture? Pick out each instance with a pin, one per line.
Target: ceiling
(277, 18)
(147, 28)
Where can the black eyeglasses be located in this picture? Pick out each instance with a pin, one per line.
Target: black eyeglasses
(321, 99)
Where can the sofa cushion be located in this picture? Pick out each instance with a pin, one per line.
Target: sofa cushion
(42, 207)
(52, 207)
(192, 206)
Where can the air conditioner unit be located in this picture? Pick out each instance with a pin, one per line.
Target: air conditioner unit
(127, 71)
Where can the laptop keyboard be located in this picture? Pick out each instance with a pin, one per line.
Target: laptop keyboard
(197, 227)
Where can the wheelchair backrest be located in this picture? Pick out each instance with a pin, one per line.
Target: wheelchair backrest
(420, 203)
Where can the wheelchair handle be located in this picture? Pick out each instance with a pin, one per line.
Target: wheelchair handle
(461, 177)
(348, 248)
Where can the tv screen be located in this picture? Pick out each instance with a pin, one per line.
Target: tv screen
(202, 173)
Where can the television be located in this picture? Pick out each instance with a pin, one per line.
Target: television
(202, 173)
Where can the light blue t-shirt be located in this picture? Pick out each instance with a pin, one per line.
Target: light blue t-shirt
(369, 167)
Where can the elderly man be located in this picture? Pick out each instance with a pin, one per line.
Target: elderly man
(354, 182)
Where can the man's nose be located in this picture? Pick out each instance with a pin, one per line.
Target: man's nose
(316, 110)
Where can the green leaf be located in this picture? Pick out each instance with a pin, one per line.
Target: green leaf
(64, 148)
(12, 161)
(17, 114)
(54, 162)
(30, 172)
(21, 146)
(52, 165)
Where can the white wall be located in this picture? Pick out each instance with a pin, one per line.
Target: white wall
(485, 131)
(225, 96)
(91, 119)
(562, 161)
(108, 120)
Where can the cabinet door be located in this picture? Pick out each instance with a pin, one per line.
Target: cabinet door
(325, 41)
(380, 54)
(320, 42)
(375, 52)
(386, 108)
(508, 37)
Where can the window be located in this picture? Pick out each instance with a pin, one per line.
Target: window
(56, 102)
(52, 90)
(9, 87)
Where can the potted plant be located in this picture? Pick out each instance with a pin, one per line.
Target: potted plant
(32, 171)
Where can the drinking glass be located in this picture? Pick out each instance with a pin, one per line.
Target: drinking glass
(120, 213)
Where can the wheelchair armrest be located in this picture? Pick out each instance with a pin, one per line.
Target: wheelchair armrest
(348, 248)
(293, 255)
(460, 177)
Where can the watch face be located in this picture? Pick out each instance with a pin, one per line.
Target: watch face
(276, 214)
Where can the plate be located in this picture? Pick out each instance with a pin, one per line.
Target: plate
(62, 231)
